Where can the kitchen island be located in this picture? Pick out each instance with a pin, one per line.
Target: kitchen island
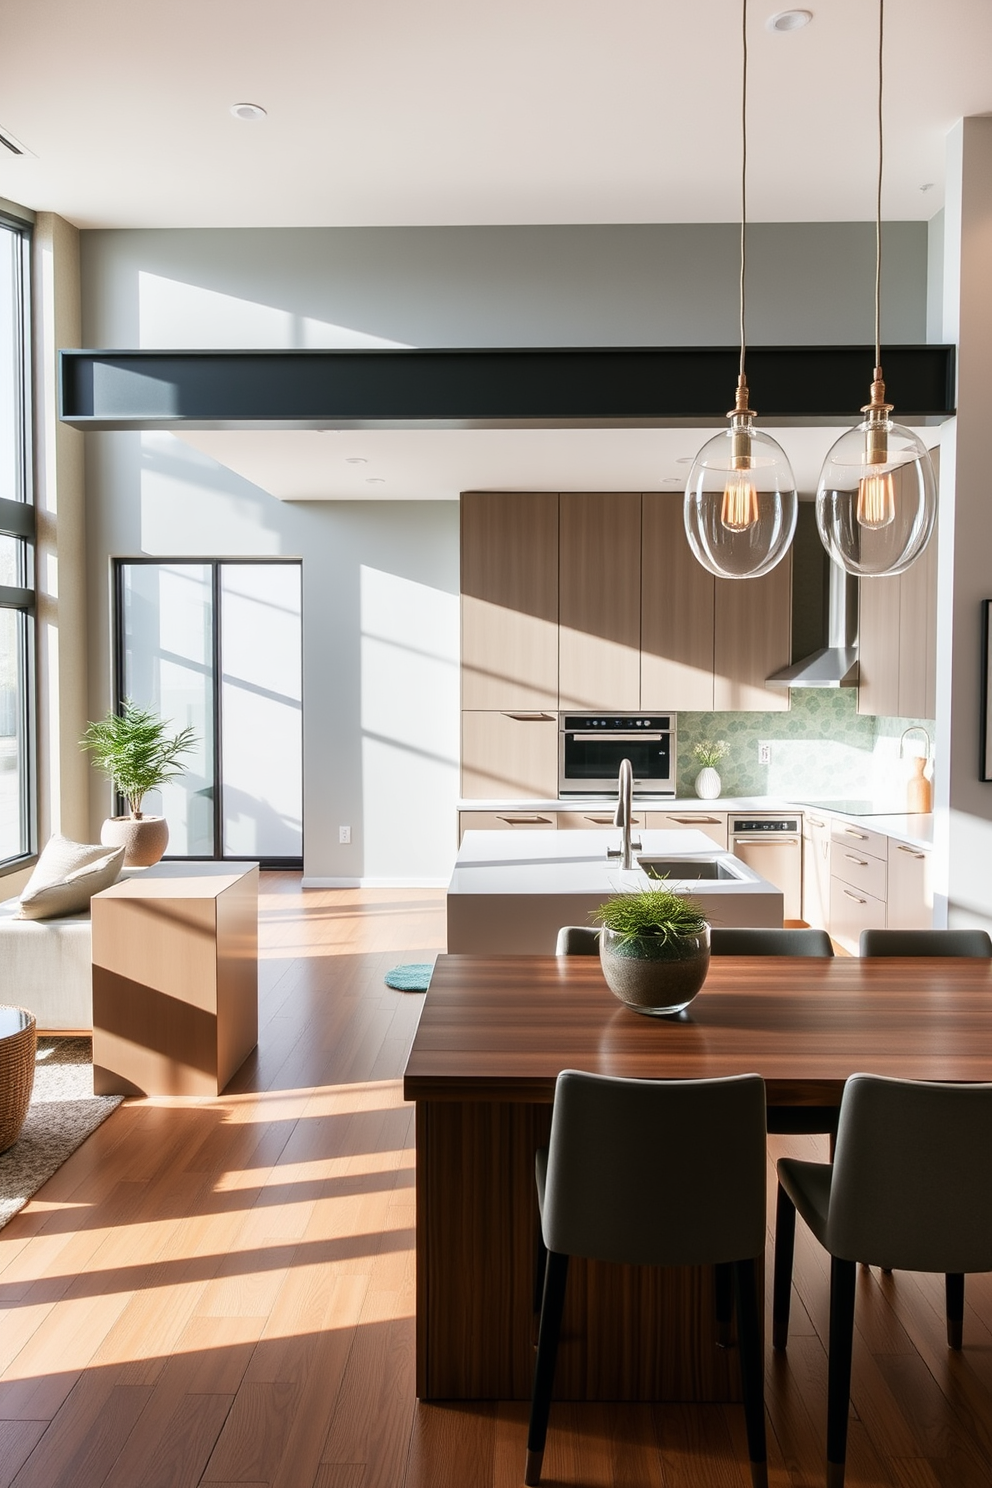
(511, 891)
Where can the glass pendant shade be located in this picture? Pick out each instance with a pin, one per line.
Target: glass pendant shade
(740, 503)
(877, 499)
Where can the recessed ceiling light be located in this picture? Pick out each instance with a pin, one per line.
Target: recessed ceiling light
(248, 111)
(355, 460)
(375, 480)
(789, 20)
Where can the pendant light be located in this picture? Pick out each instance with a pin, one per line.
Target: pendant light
(877, 497)
(740, 498)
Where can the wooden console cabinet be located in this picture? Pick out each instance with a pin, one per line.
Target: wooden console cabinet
(175, 979)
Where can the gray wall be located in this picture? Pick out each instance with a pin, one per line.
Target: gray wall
(381, 580)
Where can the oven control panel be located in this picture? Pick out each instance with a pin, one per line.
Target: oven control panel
(605, 724)
(765, 824)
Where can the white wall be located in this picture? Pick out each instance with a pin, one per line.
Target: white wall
(963, 824)
(381, 580)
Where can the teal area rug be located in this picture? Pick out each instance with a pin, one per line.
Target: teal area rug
(414, 977)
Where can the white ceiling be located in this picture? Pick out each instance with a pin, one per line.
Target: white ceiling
(464, 111)
(438, 464)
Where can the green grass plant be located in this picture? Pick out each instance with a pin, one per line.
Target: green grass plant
(660, 913)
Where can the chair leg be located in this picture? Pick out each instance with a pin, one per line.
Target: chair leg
(723, 1287)
(752, 1367)
(540, 1266)
(785, 1244)
(842, 1284)
(555, 1276)
(954, 1295)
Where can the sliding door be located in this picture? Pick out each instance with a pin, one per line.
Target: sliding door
(218, 645)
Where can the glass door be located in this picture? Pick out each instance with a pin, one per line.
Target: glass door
(219, 645)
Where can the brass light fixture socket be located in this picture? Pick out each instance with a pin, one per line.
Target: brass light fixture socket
(876, 435)
(741, 418)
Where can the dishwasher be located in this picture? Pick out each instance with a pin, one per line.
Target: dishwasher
(773, 847)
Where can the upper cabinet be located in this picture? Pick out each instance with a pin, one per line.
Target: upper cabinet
(509, 583)
(752, 639)
(897, 640)
(677, 598)
(600, 600)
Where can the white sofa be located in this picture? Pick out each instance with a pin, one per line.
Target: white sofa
(46, 967)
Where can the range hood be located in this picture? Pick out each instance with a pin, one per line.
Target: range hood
(825, 607)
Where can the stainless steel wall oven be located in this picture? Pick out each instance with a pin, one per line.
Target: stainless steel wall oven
(591, 746)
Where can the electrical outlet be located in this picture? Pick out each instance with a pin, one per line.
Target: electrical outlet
(764, 754)
(344, 834)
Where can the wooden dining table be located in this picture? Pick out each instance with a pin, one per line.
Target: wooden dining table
(494, 1034)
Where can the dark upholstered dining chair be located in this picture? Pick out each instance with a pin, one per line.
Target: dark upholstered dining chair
(925, 943)
(610, 1195)
(769, 942)
(577, 940)
(910, 1188)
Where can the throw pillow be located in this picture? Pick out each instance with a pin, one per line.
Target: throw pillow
(66, 877)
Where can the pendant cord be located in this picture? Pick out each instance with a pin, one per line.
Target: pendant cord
(743, 169)
(878, 198)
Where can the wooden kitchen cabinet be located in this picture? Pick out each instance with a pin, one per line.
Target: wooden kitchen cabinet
(897, 643)
(599, 644)
(816, 870)
(592, 820)
(910, 896)
(509, 607)
(505, 821)
(858, 874)
(677, 612)
(752, 639)
(510, 755)
(713, 823)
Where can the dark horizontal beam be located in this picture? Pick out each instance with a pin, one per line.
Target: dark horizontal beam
(490, 388)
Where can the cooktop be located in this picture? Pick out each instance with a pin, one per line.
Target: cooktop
(851, 808)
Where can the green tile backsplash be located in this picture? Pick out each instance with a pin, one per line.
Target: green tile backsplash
(821, 749)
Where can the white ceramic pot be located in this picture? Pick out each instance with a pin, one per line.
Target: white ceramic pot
(143, 838)
(708, 785)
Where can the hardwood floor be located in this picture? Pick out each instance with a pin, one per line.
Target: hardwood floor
(220, 1292)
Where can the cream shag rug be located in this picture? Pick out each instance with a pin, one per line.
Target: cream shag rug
(62, 1113)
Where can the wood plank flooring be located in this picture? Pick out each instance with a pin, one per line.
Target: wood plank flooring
(221, 1292)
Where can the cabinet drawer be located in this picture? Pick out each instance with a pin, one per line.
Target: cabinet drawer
(713, 823)
(910, 889)
(510, 756)
(857, 868)
(852, 911)
(589, 820)
(504, 821)
(855, 836)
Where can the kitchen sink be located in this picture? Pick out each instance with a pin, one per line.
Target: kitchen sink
(690, 868)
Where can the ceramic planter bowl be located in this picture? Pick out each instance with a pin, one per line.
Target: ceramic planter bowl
(143, 838)
(652, 975)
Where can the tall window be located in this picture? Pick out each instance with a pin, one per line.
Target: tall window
(16, 550)
(218, 645)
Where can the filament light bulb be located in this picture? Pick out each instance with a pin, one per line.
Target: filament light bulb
(740, 503)
(876, 501)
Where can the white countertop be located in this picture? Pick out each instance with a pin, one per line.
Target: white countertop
(575, 862)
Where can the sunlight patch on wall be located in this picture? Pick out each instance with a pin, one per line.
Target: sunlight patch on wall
(174, 316)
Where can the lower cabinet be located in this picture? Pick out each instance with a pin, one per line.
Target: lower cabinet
(910, 897)
(713, 823)
(851, 911)
(588, 821)
(505, 821)
(816, 871)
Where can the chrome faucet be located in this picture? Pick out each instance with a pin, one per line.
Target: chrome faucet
(624, 816)
(916, 728)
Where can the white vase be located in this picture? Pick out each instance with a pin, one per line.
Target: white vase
(143, 838)
(708, 785)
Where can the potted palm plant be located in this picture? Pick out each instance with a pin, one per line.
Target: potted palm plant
(132, 749)
(654, 949)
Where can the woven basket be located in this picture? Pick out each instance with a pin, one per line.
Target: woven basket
(17, 1054)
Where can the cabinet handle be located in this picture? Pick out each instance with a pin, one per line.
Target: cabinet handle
(855, 897)
(525, 821)
(861, 862)
(911, 850)
(530, 717)
(813, 821)
(861, 836)
(607, 821)
(692, 821)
